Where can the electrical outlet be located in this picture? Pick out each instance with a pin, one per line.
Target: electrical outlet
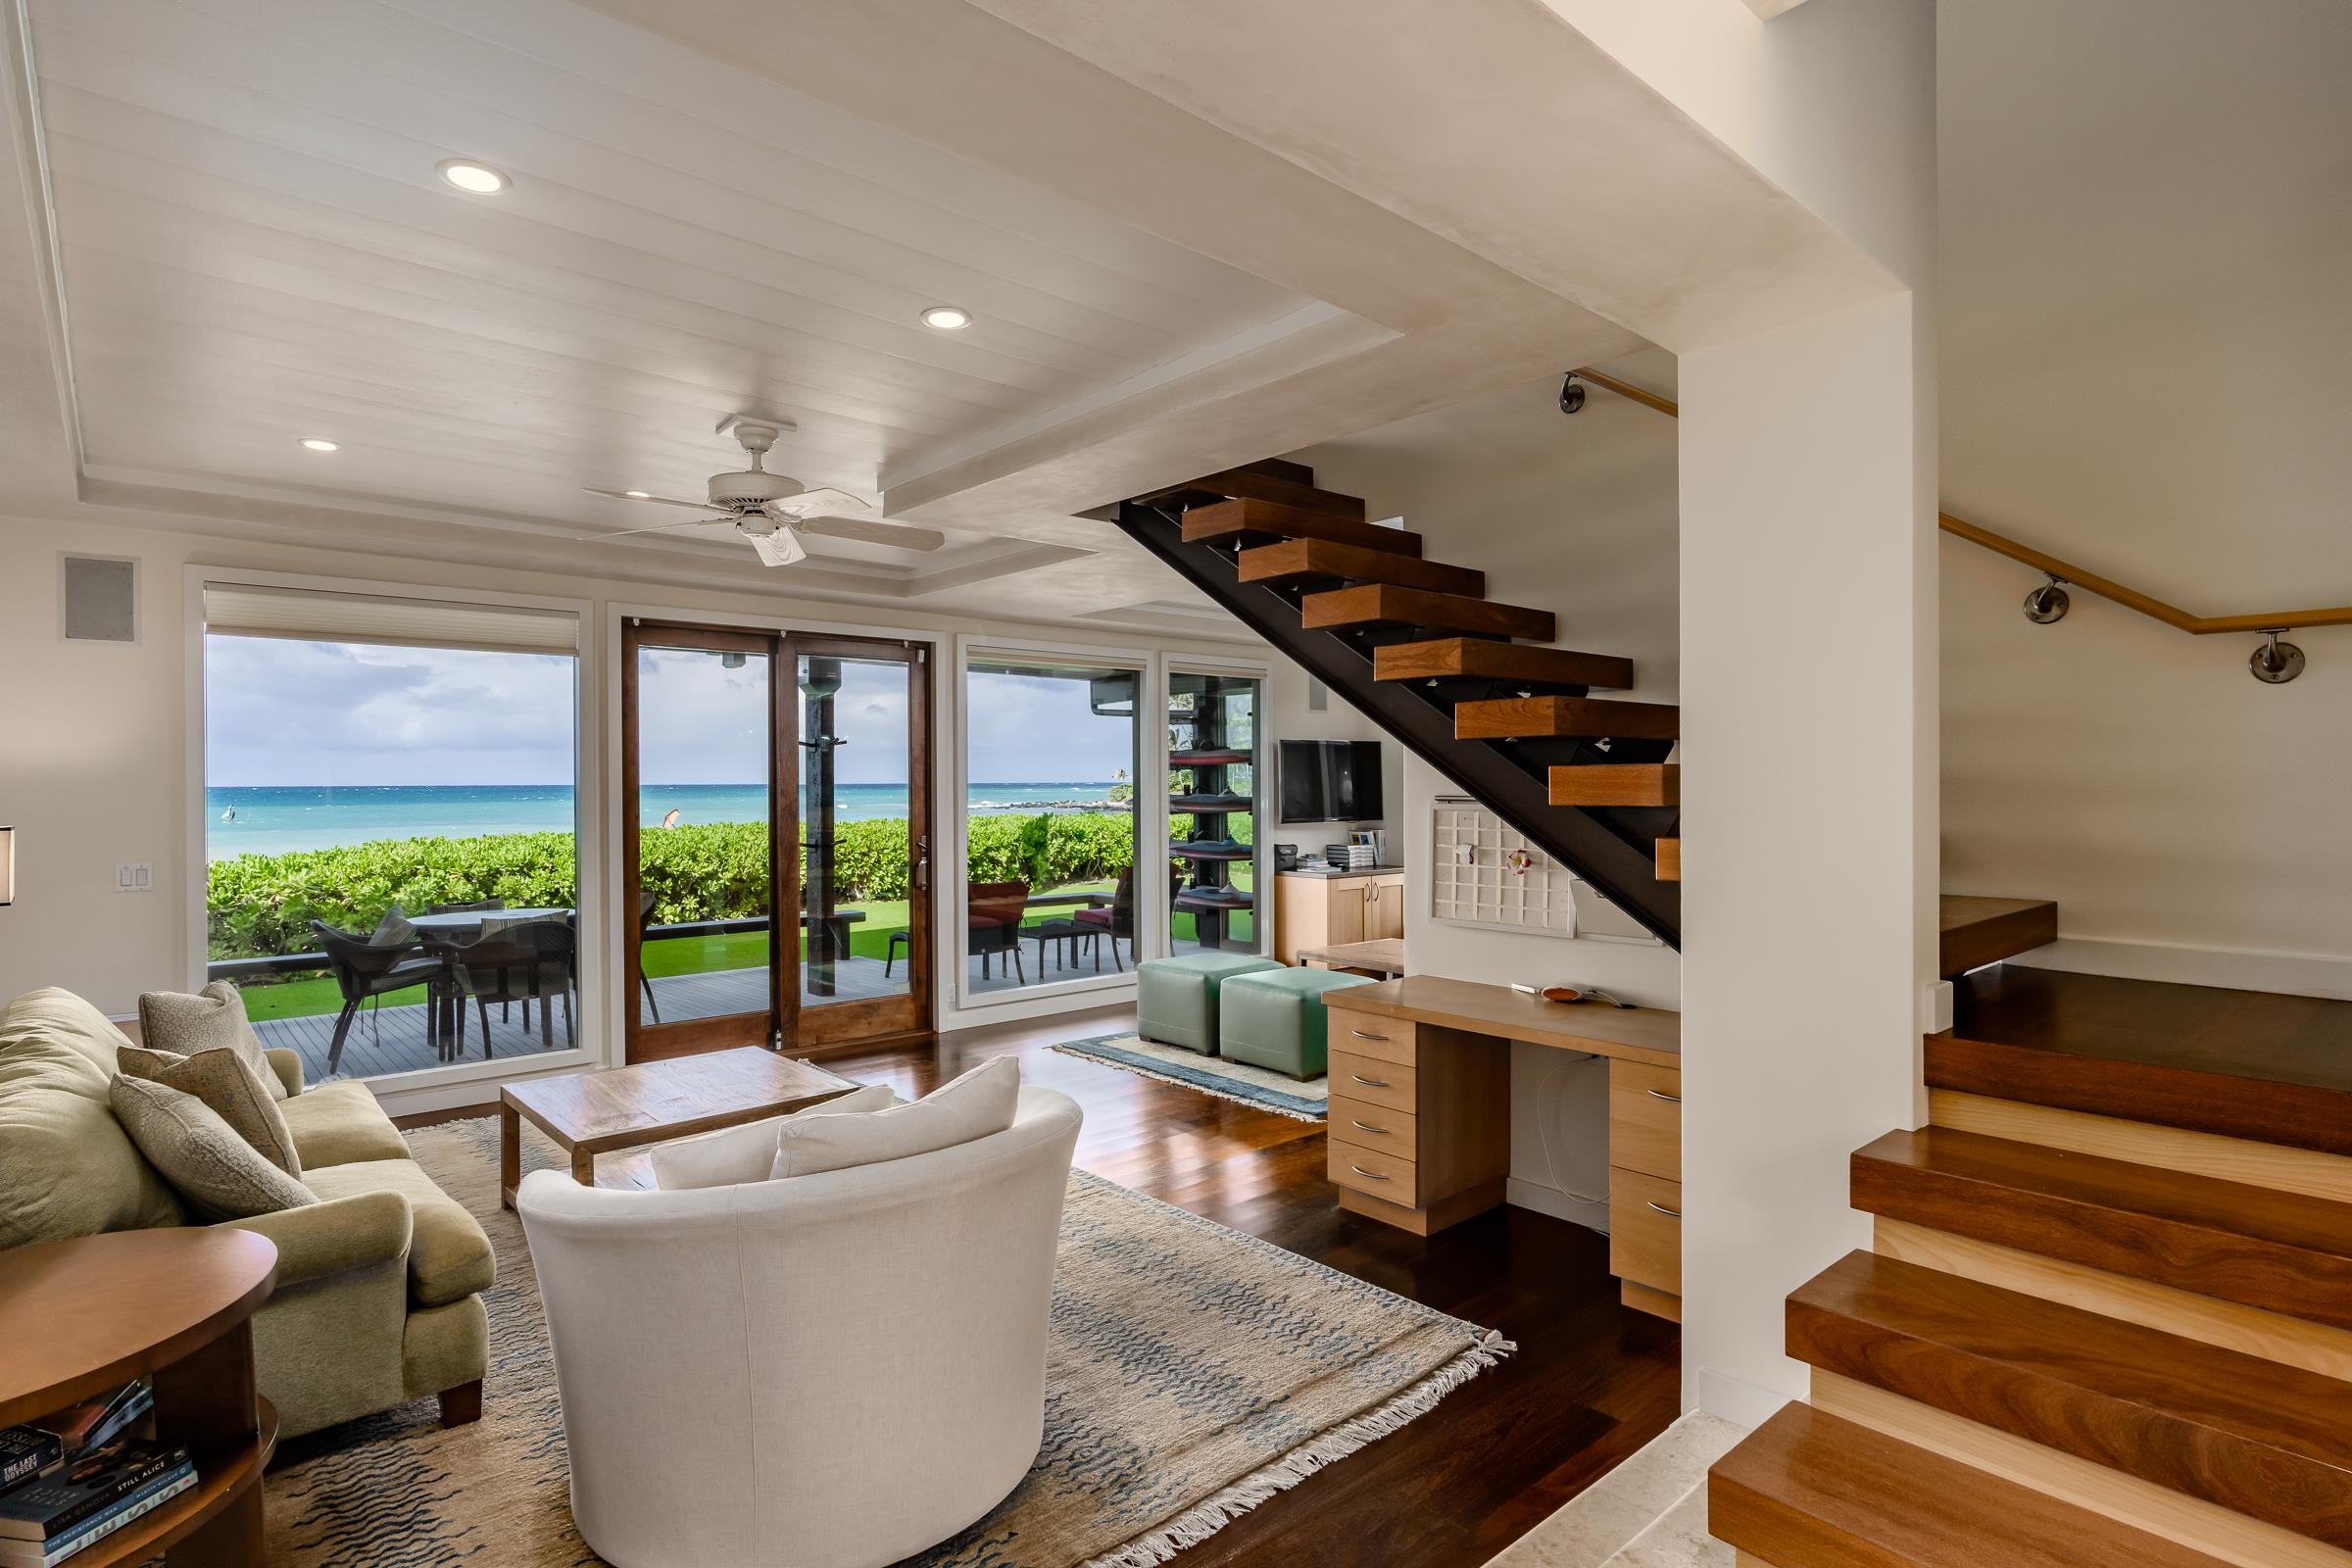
(134, 876)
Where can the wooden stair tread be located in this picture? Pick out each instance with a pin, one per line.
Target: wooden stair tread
(2254, 1436)
(1382, 605)
(1806, 1490)
(1480, 659)
(1669, 860)
(1248, 520)
(1291, 559)
(2239, 1063)
(1973, 932)
(2261, 1247)
(1528, 717)
(1254, 483)
(1618, 784)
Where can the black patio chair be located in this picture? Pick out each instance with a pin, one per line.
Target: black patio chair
(368, 967)
(518, 961)
(1115, 920)
(645, 922)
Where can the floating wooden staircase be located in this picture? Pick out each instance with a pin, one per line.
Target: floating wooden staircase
(1459, 678)
(2103, 1319)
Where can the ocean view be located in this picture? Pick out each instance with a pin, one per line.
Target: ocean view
(273, 820)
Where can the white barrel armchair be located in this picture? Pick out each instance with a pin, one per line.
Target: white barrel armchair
(827, 1371)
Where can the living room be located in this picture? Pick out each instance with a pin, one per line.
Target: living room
(902, 784)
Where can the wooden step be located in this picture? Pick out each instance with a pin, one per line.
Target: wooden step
(1305, 559)
(2246, 1434)
(2250, 1065)
(1807, 1490)
(1478, 658)
(1974, 932)
(1254, 483)
(1247, 522)
(2277, 1251)
(1670, 859)
(1281, 469)
(1505, 717)
(1380, 605)
(1618, 784)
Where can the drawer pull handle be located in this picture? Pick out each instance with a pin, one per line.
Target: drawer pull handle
(1670, 1214)
(1360, 1035)
(1365, 1126)
(1369, 1083)
(1660, 1093)
(1368, 1175)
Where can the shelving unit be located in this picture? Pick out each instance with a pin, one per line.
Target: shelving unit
(1222, 764)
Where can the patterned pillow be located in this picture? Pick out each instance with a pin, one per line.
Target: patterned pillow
(212, 1018)
(218, 1173)
(220, 1079)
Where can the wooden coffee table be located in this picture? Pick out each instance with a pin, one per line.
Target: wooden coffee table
(592, 1113)
(82, 1317)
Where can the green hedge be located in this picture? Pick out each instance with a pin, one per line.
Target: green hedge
(259, 905)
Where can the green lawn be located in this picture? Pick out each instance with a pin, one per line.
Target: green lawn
(307, 995)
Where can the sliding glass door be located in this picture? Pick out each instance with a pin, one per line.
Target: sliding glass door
(765, 773)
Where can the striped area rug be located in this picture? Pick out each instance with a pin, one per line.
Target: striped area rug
(1211, 1075)
(1194, 1372)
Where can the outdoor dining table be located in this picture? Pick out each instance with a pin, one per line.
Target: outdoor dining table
(455, 926)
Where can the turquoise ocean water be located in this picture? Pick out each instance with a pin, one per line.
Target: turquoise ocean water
(273, 821)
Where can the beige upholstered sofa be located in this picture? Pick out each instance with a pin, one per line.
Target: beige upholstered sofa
(378, 1298)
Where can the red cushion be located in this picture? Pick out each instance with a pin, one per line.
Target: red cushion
(1100, 917)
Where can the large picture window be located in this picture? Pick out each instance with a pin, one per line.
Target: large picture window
(391, 826)
(1052, 822)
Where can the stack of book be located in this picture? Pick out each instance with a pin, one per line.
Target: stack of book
(77, 1476)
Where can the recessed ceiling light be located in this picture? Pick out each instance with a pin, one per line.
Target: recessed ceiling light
(947, 317)
(467, 175)
(638, 495)
(313, 442)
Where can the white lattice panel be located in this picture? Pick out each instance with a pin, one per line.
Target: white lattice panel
(1476, 879)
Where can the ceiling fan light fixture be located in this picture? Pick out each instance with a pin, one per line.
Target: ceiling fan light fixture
(947, 317)
(472, 176)
(311, 443)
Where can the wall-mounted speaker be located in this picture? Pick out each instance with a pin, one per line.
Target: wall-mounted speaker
(101, 599)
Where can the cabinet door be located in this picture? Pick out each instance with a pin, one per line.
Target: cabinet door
(1349, 905)
(1383, 909)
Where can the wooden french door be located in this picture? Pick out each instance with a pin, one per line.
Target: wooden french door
(769, 896)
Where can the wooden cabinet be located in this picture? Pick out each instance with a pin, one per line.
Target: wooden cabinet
(1420, 1132)
(1321, 911)
(1646, 1185)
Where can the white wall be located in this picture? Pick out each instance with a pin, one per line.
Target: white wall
(94, 759)
(1575, 514)
(1289, 718)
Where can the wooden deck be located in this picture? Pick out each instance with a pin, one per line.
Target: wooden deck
(394, 1040)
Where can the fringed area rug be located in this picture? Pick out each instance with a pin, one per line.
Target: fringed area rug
(1211, 1075)
(1192, 1373)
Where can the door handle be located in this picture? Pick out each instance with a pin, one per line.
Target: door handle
(1370, 1175)
(922, 863)
(1365, 1126)
(1660, 1093)
(1369, 1083)
(1361, 1034)
(1670, 1214)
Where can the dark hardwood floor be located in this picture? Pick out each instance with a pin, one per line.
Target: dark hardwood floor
(1592, 1381)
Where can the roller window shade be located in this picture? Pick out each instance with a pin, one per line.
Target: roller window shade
(240, 610)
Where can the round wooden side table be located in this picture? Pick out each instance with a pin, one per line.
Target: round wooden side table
(82, 1317)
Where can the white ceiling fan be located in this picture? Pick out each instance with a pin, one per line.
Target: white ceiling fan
(772, 510)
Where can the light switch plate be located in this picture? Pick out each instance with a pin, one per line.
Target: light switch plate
(134, 876)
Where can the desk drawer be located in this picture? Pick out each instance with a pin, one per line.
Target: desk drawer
(1378, 1175)
(1376, 1127)
(1369, 1033)
(1645, 1230)
(1383, 1082)
(1645, 1119)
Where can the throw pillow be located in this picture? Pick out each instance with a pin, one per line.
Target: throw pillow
(220, 1079)
(212, 1018)
(218, 1173)
(733, 1155)
(980, 1103)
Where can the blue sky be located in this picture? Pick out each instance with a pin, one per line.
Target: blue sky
(284, 713)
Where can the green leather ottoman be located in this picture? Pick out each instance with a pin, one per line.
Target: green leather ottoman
(1277, 1019)
(1176, 998)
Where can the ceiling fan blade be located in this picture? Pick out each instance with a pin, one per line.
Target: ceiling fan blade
(779, 549)
(658, 527)
(658, 501)
(897, 535)
(824, 498)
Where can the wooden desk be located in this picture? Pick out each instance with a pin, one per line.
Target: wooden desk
(1382, 960)
(1420, 1129)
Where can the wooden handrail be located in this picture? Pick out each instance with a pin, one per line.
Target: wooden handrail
(2171, 615)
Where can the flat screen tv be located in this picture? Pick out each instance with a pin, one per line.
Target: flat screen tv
(1330, 781)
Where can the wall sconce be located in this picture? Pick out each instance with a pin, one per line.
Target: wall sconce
(8, 865)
